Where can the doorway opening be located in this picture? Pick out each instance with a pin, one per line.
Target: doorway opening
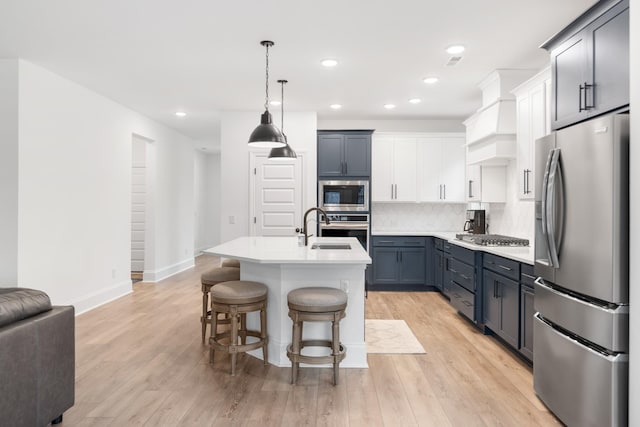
(138, 206)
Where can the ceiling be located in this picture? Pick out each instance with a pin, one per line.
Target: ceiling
(204, 56)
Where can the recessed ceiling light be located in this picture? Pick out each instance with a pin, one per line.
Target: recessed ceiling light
(389, 106)
(415, 100)
(455, 49)
(336, 106)
(180, 113)
(275, 102)
(430, 80)
(329, 62)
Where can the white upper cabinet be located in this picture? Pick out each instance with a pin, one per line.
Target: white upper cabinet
(533, 122)
(473, 183)
(418, 167)
(393, 162)
(441, 170)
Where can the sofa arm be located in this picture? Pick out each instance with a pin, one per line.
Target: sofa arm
(37, 356)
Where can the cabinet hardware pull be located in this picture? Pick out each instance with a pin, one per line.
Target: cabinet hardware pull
(582, 93)
(464, 277)
(524, 181)
(444, 186)
(580, 99)
(453, 271)
(467, 303)
(391, 191)
(396, 188)
(504, 267)
(470, 189)
(385, 241)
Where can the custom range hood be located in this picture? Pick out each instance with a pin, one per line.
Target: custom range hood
(491, 131)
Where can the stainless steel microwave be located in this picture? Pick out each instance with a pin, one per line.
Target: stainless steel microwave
(343, 196)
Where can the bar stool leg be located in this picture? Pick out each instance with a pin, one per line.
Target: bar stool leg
(295, 349)
(214, 329)
(234, 338)
(205, 306)
(243, 328)
(263, 334)
(335, 342)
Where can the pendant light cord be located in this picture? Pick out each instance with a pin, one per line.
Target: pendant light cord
(266, 102)
(282, 82)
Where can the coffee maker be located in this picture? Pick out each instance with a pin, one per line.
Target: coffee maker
(475, 223)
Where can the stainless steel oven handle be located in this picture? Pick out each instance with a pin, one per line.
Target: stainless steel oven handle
(344, 227)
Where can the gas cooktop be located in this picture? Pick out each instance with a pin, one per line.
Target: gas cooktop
(492, 240)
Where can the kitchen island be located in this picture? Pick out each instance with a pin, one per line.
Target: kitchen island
(282, 266)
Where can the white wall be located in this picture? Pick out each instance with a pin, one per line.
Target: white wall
(634, 278)
(382, 125)
(235, 130)
(75, 189)
(8, 172)
(207, 200)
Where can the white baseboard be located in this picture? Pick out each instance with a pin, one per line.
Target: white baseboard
(163, 273)
(102, 297)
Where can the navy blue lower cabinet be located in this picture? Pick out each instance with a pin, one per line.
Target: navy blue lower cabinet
(527, 311)
(399, 263)
(501, 306)
(385, 265)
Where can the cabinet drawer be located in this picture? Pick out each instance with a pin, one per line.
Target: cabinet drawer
(527, 276)
(462, 274)
(504, 266)
(462, 300)
(398, 241)
(463, 254)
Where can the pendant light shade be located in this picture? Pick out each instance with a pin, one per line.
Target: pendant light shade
(286, 152)
(267, 134)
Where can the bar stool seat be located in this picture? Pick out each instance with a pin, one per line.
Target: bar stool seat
(209, 279)
(230, 262)
(316, 304)
(236, 299)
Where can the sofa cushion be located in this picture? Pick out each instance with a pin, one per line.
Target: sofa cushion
(20, 303)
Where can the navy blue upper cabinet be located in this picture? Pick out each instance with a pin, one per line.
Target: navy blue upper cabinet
(344, 153)
(590, 64)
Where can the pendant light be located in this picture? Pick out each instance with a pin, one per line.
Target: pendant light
(286, 152)
(267, 134)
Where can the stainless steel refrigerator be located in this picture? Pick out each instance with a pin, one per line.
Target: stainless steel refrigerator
(581, 325)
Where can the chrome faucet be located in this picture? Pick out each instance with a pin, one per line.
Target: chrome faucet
(304, 223)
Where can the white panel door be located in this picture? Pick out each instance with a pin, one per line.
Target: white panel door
(382, 169)
(138, 208)
(277, 196)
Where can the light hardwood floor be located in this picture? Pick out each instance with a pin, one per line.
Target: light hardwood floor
(140, 361)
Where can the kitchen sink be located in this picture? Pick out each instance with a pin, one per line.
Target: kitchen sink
(331, 246)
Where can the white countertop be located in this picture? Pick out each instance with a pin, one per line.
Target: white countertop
(516, 253)
(285, 250)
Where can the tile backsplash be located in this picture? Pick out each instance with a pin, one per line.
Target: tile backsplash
(417, 216)
(513, 218)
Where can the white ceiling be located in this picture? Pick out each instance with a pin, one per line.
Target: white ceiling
(204, 56)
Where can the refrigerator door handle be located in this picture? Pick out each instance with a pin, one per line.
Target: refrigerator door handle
(550, 212)
(545, 201)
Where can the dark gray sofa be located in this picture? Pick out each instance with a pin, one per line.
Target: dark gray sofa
(37, 358)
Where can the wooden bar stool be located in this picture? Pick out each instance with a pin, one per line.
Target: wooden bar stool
(316, 304)
(236, 299)
(209, 279)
